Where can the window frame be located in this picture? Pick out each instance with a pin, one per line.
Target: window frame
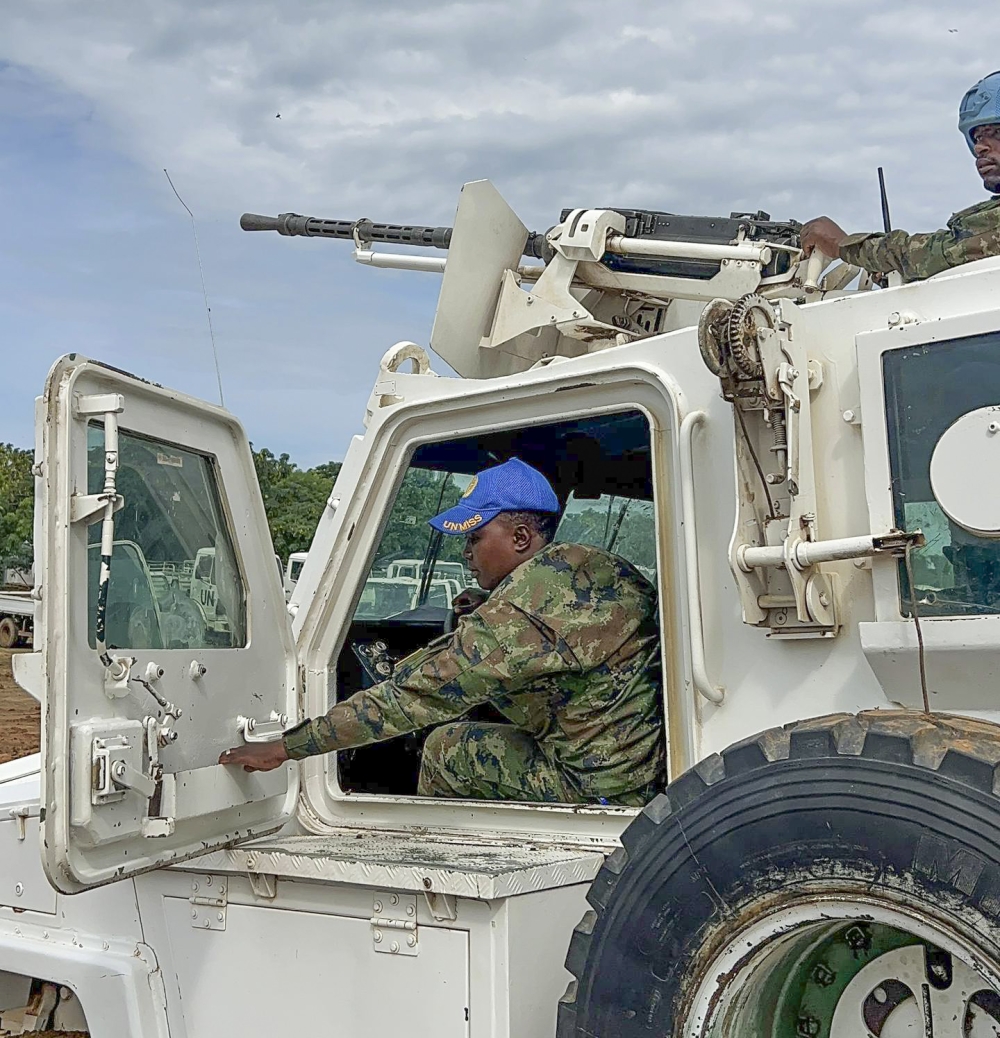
(960, 652)
(389, 449)
(900, 447)
(871, 348)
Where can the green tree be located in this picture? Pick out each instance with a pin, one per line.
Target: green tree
(293, 498)
(423, 493)
(17, 491)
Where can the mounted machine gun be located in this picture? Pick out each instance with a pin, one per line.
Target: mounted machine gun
(607, 276)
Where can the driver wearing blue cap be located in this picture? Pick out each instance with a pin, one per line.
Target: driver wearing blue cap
(971, 234)
(564, 645)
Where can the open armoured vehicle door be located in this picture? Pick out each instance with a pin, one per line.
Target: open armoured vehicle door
(163, 633)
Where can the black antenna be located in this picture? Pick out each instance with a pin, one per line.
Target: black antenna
(886, 222)
(204, 291)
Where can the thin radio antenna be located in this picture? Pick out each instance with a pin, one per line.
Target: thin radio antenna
(884, 198)
(204, 291)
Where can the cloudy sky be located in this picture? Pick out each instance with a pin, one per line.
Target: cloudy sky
(386, 108)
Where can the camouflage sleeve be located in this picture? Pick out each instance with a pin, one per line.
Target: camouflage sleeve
(438, 683)
(917, 256)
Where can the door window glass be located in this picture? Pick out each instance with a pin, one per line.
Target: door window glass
(624, 525)
(174, 582)
(927, 388)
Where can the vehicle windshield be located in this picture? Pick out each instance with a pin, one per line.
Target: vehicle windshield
(409, 549)
(205, 565)
(381, 600)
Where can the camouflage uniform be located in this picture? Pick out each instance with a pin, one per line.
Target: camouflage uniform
(972, 234)
(566, 648)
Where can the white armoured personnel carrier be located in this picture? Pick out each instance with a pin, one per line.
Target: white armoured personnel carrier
(809, 473)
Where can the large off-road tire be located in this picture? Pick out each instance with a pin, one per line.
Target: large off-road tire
(836, 878)
(9, 633)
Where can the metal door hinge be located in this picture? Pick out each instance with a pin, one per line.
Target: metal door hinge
(394, 923)
(209, 902)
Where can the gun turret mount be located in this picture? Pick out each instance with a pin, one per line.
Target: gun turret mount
(607, 276)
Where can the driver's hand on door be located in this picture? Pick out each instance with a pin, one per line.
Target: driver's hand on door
(257, 756)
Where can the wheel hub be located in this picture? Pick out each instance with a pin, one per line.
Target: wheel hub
(860, 977)
(916, 990)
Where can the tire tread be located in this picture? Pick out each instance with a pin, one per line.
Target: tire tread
(959, 748)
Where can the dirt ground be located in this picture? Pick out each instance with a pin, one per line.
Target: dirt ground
(20, 724)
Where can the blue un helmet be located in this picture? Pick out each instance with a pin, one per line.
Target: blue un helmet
(980, 107)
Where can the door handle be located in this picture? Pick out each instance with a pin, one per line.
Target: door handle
(270, 730)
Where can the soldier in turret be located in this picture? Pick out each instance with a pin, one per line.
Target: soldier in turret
(971, 234)
(565, 646)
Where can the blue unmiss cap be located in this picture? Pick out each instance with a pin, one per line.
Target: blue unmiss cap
(511, 487)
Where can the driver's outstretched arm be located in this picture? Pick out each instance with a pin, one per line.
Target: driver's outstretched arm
(438, 683)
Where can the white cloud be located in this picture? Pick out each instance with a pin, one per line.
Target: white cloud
(393, 105)
(387, 107)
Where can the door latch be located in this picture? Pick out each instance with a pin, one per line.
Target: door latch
(114, 770)
(124, 776)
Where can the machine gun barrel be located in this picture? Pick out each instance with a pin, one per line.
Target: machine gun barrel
(367, 232)
(653, 242)
(364, 231)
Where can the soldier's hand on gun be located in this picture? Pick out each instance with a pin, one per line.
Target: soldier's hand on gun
(256, 756)
(468, 601)
(823, 234)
